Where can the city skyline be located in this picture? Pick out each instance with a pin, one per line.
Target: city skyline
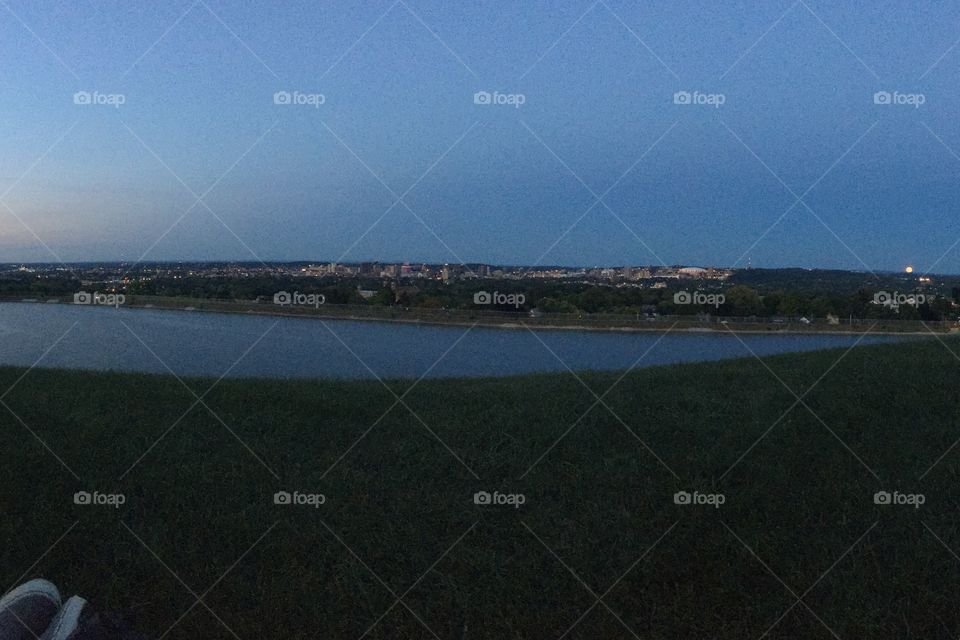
(321, 262)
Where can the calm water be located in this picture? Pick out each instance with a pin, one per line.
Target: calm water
(195, 343)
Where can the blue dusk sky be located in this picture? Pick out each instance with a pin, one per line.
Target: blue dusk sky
(807, 133)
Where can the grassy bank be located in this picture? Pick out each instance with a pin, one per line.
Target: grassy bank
(400, 520)
(635, 322)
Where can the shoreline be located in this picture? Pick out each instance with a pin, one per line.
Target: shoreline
(514, 326)
(508, 325)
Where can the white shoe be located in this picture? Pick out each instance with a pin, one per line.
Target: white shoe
(27, 610)
(67, 620)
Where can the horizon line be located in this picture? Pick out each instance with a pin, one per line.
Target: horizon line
(460, 264)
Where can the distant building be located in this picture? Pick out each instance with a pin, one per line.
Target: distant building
(370, 269)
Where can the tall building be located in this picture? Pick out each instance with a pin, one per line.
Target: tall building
(369, 269)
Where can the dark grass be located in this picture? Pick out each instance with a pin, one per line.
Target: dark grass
(399, 500)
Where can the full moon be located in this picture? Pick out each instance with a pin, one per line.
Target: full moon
(909, 269)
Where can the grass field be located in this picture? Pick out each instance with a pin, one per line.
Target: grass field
(798, 549)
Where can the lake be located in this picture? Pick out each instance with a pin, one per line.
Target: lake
(191, 343)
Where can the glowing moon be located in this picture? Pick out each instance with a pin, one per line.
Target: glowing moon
(909, 269)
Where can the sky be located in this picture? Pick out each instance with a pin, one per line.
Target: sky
(784, 133)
